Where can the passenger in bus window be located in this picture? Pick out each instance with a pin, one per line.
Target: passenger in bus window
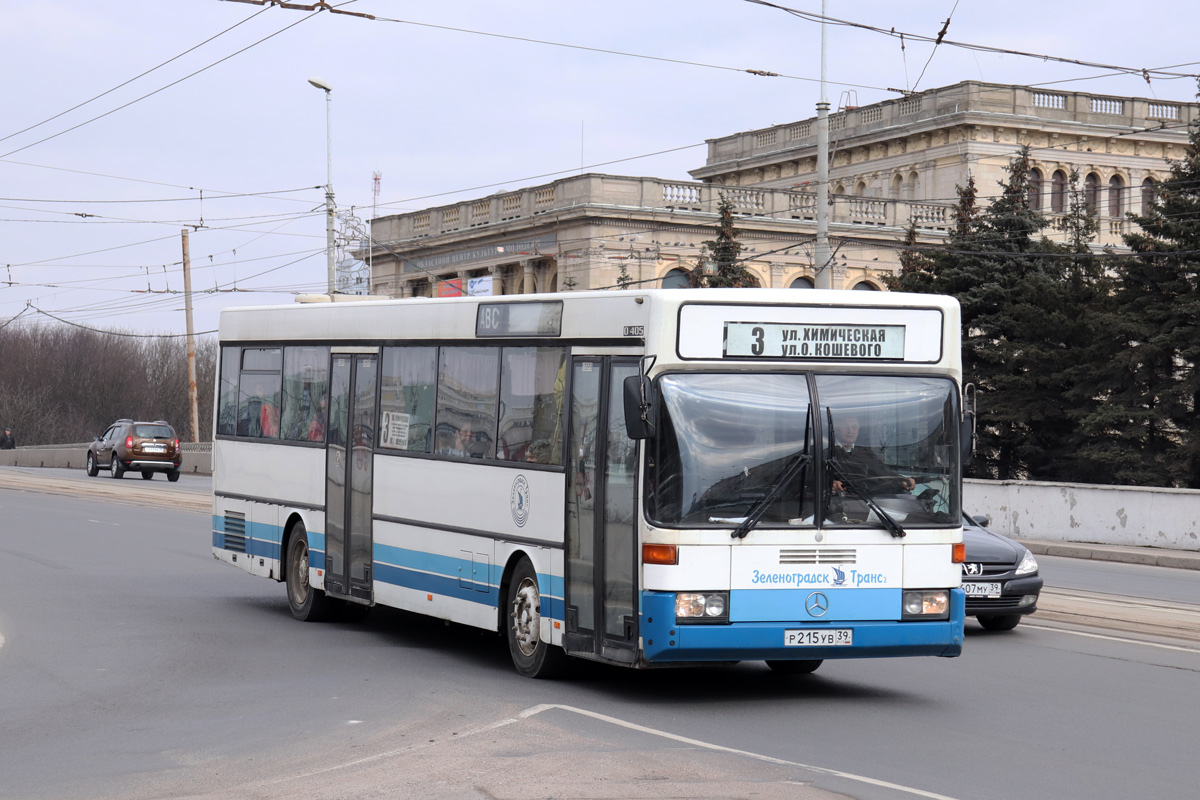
(316, 428)
(862, 466)
(461, 446)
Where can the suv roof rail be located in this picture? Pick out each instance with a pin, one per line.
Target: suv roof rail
(124, 420)
(161, 422)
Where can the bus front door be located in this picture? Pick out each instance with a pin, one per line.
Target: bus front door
(348, 476)
(601, 557)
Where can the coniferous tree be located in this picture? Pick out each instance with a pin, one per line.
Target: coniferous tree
(1158, 295)
(719, 264)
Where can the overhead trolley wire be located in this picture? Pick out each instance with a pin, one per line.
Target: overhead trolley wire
(131, 80)
(810, 16)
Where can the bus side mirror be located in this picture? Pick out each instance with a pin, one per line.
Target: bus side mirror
(966, 437)
(639, 407)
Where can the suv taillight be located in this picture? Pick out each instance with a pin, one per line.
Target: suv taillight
(128, 442)
(175, 446)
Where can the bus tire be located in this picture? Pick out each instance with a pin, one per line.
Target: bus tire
(795, 667)
(307, 604)
(533, 657)
(1004, 623)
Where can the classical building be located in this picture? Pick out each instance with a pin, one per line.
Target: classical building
(893, 164)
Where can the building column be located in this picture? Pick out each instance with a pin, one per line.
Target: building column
(777, 270)
(497, 273)
(527, 285)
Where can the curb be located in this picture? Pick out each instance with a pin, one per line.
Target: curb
(1149, 556)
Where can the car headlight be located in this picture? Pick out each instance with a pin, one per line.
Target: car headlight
(701, 607)
(1028, 564)
(934, 604)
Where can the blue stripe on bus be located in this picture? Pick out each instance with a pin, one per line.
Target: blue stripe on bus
(412, 569)
(665, 641)
(435, 584)
(774, 605)
(452, 577)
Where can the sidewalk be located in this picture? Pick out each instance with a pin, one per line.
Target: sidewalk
(1151, 556)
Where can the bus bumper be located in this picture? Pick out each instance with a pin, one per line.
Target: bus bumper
(665, 642)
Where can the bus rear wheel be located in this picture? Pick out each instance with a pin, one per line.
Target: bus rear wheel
(531, 655)
(307, 604)
(795, 667)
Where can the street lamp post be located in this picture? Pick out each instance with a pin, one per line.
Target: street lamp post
(329, 207)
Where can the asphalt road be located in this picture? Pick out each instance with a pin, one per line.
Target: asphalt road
(133, 665)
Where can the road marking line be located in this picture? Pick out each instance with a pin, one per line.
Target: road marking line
(411, 748)
(529, 712)
(1113, 638)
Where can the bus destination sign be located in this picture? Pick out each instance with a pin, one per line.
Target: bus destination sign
(519, 319)
(847, 342)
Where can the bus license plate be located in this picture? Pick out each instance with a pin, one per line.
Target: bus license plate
(977, 589)
(819, 637)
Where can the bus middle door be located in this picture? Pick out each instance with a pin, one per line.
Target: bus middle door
(601, 540)
(349, 459)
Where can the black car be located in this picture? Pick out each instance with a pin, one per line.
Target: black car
(1000, 576)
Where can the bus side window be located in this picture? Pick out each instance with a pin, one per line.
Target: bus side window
(407, 389)
(529, 407)
(228, 398)
(467, 395)
(305, 387)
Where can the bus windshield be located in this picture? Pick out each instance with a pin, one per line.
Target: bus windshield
(726, 440)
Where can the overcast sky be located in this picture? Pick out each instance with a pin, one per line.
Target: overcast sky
(235, 151)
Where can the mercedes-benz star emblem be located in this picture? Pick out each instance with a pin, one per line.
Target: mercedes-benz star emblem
(817, 604)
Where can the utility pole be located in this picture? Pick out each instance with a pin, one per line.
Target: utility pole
(191, 338)
(824, 274)
(329, 204)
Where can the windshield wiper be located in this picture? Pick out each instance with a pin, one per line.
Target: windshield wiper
(889, 523)
(799, 460)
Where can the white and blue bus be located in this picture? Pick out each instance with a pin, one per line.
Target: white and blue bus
(641, 478)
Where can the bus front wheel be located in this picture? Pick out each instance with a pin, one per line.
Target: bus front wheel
(532, 656)
(307, 604)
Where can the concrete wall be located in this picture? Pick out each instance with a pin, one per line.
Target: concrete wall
(196, 458)
(1076, 512)
(1053, 512)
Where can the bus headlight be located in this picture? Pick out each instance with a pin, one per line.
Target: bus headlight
(701, 607)
(934, 604)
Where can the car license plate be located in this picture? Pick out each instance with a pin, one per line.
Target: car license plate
(977, 589)
(818, 637)
(154, 448)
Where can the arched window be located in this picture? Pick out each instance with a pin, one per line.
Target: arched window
(1058, 192)
(897, 185)
(675, 279)
(839, 189)
(860, 189)
(913, 189)
(1149, 192)
(1091, 193)
(802, 283)
(1034, 180)
(1116, 196)
(863, 286)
